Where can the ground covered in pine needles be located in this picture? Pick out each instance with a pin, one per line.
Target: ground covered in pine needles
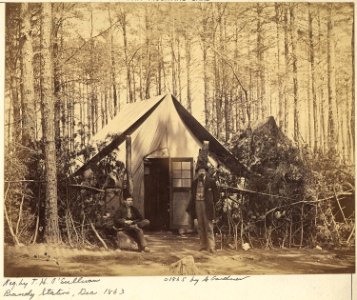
(40, 260)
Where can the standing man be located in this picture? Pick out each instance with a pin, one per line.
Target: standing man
(204, 194)
(129, 219)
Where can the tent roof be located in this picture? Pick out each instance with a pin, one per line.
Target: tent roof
(134, 114)
(201, 133)
(127, 117)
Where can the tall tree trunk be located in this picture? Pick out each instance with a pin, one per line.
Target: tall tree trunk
(225, 85)
(81, 118)
(141, 66)
(148, 54)
(133, 81)
(106, 110)
(260, 63)
(287, 70)
(13, 30)
(95, 109)
(205, 71)
(352, 120)
(323, 139)
(188, 71)
(113, 79)
(240, 103)
(102, 107)
(123, 22)
(56, 29)
(89, 84)
(64, 119)
(82, 114)
(28, 93)
(179, 66)
(251, 93)
(345, 118)
(16, 107)
(159, 68)
(173, 58)
(331, 77)
(217, 96)
(72, 118)
(280, 88)
(295, 72)
(52, 234)
(313, 80)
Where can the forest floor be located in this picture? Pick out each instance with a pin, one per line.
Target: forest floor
(41, 260)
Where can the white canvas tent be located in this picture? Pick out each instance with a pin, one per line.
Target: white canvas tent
(166, 140)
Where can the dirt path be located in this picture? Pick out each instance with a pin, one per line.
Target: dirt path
(39, 260)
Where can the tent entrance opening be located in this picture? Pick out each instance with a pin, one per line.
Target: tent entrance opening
(157, 192)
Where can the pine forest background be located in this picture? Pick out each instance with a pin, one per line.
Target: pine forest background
(70, 68)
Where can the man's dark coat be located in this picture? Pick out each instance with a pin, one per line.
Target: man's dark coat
(210, 197)
(121, 214)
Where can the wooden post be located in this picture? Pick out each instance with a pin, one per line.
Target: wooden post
(129, 164)
(205, 148)
(202, 159)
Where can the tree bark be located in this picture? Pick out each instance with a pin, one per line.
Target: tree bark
(52, 234)
(352, 119)
(173, 58)
(260, 63)
(28, 93)
(113, 79)
(331, 77)
(280, 88)
(148, 32)
(16, 107)
(323, 139)
(188, 72)
(64, 120)
(287, 70)
(225, 84)
(160, 65)
(179, 66)
(205, 70)
(295, 73)
(123, 23)
(13, 36)
(56, 29)
(313, 80)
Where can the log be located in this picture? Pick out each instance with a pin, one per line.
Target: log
(126, 242)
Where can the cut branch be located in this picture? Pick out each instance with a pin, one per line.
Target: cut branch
(20, 215)
(87, 187)
(98, 236)
(8, 221)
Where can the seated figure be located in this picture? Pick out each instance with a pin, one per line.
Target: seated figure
(128, 219)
